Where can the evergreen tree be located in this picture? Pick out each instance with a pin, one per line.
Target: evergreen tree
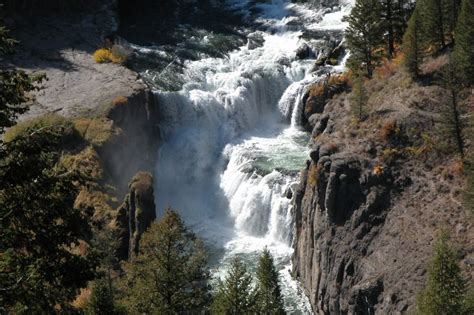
(413, 44)
(469, 170)
(453, 123)
(463, 54)
(270, 300)
(105, 243)
(39, 271)
(434, 22)
(445, 288)
(451, 13)
(364, 35)
(388, 22)
(101, 301)
(14, 86)
(235, 295)
(394, 17)
(359, 97)
(169, 275)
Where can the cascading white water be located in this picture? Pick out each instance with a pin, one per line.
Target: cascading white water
(232, 146)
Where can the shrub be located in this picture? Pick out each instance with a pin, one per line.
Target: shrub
(117, 54)
(95, 131)
(378, 170)
(102, 55)
(59, 123)
(390, 131)
(120, 100)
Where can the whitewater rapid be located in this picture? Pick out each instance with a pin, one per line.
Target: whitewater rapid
(233, 145)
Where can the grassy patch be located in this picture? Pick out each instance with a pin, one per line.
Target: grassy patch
(47, 121)
(96, 131)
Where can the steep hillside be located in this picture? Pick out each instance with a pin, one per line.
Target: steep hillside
(373, 197)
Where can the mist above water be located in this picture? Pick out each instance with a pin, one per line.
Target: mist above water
(232, 142)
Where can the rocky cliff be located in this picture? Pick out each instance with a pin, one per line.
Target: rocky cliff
(136, 214)
(372, 197)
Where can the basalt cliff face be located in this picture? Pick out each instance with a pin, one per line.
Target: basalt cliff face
(372, 198)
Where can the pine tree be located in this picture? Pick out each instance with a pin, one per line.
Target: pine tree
(394, 18)
(38, 270)
(445, 289)
(169, 275)
(235, 295)
(452, 121)
(270, 300)
(364, 35)
(463, 54)
(102, 301)
(359, 97)
(15, 86)
(413, 44)
(451, 13)
(434, 22)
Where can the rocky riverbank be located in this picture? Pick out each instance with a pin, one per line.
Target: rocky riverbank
(373, 197)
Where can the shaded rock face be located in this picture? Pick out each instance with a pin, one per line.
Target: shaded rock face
(134, 149)
(315, 100)
(340, 207)
(365, 221)
(136, 214)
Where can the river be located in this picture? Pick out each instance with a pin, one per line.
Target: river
(232, 142)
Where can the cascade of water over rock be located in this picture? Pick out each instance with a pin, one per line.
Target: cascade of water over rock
(232, 144)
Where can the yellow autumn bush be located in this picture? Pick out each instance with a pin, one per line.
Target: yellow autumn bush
(102, 55)
(116, 54)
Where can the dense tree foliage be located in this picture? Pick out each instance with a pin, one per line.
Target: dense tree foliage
(393, 16)
(452, 118)
(102, 301)
(41, 264)
(413, 44)
(464, 48)
(364, 35)
(169, 275)
(236, 294)
(269, 300)
(434, 22)
(359, 97)
(15, 86)
(445, 289)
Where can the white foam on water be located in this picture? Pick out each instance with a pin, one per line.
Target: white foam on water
(232, 146)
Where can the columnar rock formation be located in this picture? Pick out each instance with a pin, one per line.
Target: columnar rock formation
(136, 214)
(370, 203)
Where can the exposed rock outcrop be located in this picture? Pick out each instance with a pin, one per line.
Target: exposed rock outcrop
(371, 200)
(136, 214)
(61, 46)
(315, 100)
(134, 148)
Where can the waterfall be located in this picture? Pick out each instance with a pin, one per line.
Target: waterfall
(232, 145)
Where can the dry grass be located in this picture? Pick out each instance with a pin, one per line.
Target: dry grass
(81, 300)
(389, 130)
(93, 198)
(95, 131)
(46, 121)
(433, 64)
(313, 174)
(455, 167)
(120, 100)
(87, 162)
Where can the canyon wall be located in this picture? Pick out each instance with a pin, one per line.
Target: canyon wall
(372, 198)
